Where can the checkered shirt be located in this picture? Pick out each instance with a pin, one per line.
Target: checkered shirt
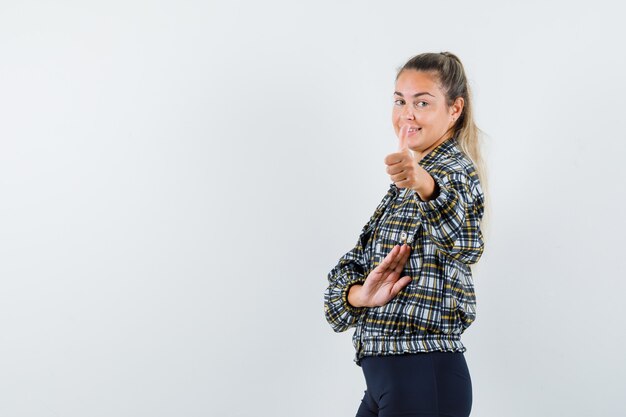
(436, 307)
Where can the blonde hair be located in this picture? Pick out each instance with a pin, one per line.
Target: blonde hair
(450, 73)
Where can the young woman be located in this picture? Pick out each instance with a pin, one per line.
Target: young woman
(407, 286)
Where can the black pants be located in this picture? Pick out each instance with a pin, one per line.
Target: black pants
(428, 384)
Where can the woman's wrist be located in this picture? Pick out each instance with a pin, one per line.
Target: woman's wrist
(428, 189)
(353, 295)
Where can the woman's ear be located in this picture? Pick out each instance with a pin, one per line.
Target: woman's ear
(457, 107)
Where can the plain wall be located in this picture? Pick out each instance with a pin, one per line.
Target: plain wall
(178, 178)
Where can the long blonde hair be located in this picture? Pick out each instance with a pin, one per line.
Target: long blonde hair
(450, 72)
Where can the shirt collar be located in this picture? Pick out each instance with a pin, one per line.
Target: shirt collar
(447, 146)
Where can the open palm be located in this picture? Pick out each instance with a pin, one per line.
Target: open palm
(383, 283)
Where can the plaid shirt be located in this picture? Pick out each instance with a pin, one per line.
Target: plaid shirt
(432, 311)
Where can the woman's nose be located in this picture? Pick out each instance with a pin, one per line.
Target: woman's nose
(407, 112)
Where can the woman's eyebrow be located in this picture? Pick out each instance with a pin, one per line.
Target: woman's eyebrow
(414, 95)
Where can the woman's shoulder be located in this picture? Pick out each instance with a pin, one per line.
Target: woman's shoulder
(457, 165)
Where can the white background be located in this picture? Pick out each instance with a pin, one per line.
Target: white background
(177, 179)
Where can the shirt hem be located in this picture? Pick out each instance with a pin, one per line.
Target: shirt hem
(398, 344)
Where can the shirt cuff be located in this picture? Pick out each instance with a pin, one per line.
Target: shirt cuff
(432, 209)
(355, 311)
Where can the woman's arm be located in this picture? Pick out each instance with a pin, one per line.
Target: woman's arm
(453, 213)
(350, 270)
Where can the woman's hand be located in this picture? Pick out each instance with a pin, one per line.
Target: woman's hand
(405, 171)
(383, 283)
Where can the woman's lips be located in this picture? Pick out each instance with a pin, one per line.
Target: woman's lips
(412, 132)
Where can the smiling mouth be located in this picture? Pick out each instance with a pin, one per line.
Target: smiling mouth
(413, 131)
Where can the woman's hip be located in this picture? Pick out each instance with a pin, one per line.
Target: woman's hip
(426, 382)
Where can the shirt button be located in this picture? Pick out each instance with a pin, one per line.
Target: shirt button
(403, 236)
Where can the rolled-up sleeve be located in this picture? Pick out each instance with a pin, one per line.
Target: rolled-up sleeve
(349, 270)
(452, 219)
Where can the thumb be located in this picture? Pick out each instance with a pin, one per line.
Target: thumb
(403, 140)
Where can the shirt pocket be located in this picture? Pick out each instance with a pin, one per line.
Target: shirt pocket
(399, 226)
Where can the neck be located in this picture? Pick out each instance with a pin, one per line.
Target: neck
(420, 155)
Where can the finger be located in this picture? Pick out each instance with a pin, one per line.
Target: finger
(403, 142)
(393, 158)
(402, 257)
(406, 255)
(397, 264)
(401, 283)
(388, 261)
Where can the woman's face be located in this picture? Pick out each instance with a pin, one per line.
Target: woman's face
(420, 103)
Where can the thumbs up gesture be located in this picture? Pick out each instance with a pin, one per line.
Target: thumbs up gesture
(402, 166)
(405, 172)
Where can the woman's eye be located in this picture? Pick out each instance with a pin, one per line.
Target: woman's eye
(417, 104)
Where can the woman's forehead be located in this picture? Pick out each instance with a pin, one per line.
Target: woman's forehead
(413, 82)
